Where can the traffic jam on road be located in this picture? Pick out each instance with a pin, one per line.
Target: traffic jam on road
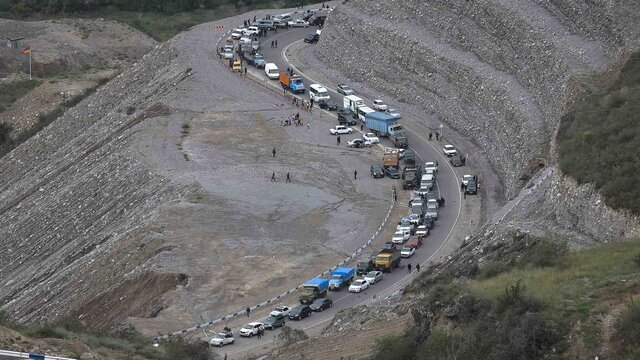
(378, 125)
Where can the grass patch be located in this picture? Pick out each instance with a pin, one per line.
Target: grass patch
(13, 90)
(599, 139)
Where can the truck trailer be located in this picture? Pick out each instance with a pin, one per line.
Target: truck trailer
(386, 125)
(351, 103)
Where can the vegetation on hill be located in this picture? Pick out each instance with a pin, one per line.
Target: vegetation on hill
(160, 19)
(599, 139)
(10, 91)
(528, 309)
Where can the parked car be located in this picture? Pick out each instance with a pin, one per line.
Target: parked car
(449, 150)
(472, 187)
(222, 339)
(251, 30)
(298, 23)
(328, 104)
(359, 285)
(416, 241)
(340, 130)
(379, 105)
(312, 38)
(394, 113)
(456, 161)
(392, 172)
(280, 310)
(228, 54)
(466, 178)
(251, 329)
(300, 312)
(431, 165)
(237, 33)
(345, 118)
(422, 190)
(407, 251)
(371, 137)
(374, 276)
(358, 143)
(422, 231)
(345, 89)
(321, 304)
(432, 211)
(376, 171)
(274, 321)
(400, 236)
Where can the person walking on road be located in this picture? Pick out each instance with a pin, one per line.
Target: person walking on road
(338, 140)
(225, 356)
(355, 174)
(430, 135)
(276, 44)
(395, 196)
(273, 152)
(311, 102)
(418, 267)
(245, 71)
(273, 179)
(288, 178)
(248, 308)
(408, 267)
(272, 44)
(362, 127)
(437, 136)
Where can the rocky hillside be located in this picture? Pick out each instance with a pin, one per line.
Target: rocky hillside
(497, 73)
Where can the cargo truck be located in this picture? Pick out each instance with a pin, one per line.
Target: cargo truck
(351, 103)
(292, 82)
(387, 259)
(386, 125)
(255, 59)
(411, 177)
(391, 159)
(341, 277)
(313, 289)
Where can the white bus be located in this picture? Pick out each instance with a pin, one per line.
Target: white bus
(363, 111)
(318, 92)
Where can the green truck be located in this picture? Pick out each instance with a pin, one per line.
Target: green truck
(314, 289)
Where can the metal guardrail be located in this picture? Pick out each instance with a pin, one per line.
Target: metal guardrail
(23, 355)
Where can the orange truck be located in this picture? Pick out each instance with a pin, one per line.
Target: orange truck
(291, 82)
(391, 159)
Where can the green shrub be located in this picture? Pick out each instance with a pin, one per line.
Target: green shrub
(289, 336)
(130, 110)
(546, 252)
(636, 259)
(628, 326)
(599, 138)
(395, 347)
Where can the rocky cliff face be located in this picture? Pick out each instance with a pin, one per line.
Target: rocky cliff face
(495, 72)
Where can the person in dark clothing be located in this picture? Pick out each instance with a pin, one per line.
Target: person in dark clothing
(395, 196)
(273, 179)
(362, 127)
(288, 178)
(437, 136)
(273, 152)
(249, 309)
(418, 267)
(442, 199)
(276, 43)
(430, 135)
(408, 267)
(355, 174)
(272, 44)
(338, 140)
(245, 71)
(461, 186)
(311, 100)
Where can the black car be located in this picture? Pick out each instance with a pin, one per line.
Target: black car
(456, 160)
(311, 38)
(376, 171)
(328, 104)
(429, 222)
(321, 304)
(472, 188)
(392, 172)
(364, 267)
(300, 312)
(274, 321)
(345, 118)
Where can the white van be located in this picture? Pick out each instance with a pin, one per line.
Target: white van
(427, 181)
(318, 92)
(285, 17)
(363, 111)
(271, 70)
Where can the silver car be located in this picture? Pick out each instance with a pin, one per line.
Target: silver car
(374, 276)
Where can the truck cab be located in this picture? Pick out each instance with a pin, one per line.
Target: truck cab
(341, 277)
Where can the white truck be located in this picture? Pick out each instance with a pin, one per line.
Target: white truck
(352, 103)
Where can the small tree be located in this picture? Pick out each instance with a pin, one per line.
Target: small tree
(289, 336)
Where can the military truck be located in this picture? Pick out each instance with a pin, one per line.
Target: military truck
(314, 289)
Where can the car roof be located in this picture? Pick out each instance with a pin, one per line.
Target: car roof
(254, 323)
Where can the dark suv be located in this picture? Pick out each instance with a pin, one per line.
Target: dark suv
(311, 38)
(376, 171)
(345, 118)
(300, 312)
(364, 267)
(472, 188)
(274, 321)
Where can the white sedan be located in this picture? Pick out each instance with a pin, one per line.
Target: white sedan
(251, 329)
(431, 165)
(400, 236)
(340, 130)
(407, 251)
(281, 310)
(374, 276)
(358, 143)
(422, 231)
(449, 150)
(379, 105)
(359, 285)
(222, 339)
(237, 33)
(371, 137)
(252, 30)
(298, 23)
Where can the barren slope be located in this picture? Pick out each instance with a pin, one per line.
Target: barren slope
(152, 198)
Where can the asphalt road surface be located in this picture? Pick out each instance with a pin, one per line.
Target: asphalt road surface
(447, 185)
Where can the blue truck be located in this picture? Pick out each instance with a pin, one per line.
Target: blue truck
(313, 289)
(386, 125)
(291, 82)
(341, 277)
